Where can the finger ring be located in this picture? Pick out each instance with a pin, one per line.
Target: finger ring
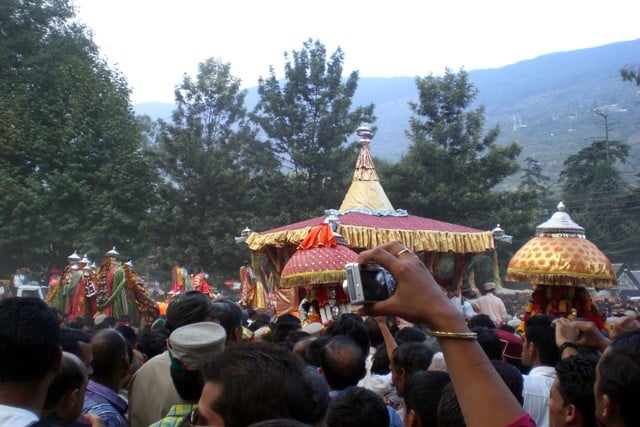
(402, 251)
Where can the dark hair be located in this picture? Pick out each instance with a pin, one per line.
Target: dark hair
(80, 322)
(619, 370)
(412, 357)
(342, 362)
(188, 384)
(227, 313)
(351, 325)
(108, 347)
(357, 407)
(261, 319)
(380, 361)
(576, 376)
(259, 381)
(511, 376)
(422, 392)
(449, 412)
(481, 319)
(489, 341)
(410, 334)
(69, 377)
(285, 323)
(69, 339)
(314, 350)
(508, 328)
(29, 339)
(319, 394)
(539, 331)
(280, 422)
(373, 332)
(153, 341)
(192, 307)
(128, 333)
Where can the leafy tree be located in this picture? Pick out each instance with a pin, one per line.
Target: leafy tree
(599, 198)
(73, 177)
(215, 174)
(308, 119)
(452, 170)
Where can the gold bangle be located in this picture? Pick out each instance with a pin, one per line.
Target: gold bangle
(454, 335)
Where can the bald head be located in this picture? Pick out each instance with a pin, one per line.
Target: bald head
(110, 356)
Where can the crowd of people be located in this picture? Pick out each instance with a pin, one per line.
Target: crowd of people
(415, 359)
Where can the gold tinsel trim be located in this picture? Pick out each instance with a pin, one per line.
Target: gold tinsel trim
(369, 237)
(555, 279)
(313, 278)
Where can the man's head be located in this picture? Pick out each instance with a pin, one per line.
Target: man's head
(342, 362)
(191, 307)
(572, 402)
(449, 411)
(110, 358)
(251, 382)
(617, 383)
(78, 343)
(357, 407)
(29, 341)
(284, 324)
(422, 392)
(623, 324)
(539, 346)
(408, 358)
(488, 287)
(65, 395)
(228, 314)
(191, 347)
(351, 325)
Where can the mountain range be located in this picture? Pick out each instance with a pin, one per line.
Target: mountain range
(547, 104)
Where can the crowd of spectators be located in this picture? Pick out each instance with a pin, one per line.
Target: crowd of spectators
(411, 360)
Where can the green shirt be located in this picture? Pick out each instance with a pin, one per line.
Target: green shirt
(177, 413)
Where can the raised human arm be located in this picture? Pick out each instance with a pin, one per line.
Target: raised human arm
(419, 299)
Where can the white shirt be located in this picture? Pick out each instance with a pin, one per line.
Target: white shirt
(535, 391)
(463, 306)
(10, 416)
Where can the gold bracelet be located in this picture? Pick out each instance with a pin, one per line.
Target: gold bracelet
(453, 335)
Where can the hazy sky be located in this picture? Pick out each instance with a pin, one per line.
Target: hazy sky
(155, 42)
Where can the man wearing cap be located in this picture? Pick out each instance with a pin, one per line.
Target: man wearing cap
(190, 348)
(461, 303)
(490, 304)
(151, 391)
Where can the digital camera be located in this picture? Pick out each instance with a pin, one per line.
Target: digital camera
(368, 283)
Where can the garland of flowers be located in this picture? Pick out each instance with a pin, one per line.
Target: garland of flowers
(564, 301)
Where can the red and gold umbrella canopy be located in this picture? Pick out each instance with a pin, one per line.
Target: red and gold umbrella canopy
(319, 260)
(561, 255)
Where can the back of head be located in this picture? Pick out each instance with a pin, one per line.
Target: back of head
(576, 376)
(228, 314)
(191, 307)
(412, 357)
(109, 349)
(259, 381)
(29, 339)
(70, 340)
(71, 376)
(190, 348)
(342, 362)
(489, 342)
(351, 325)
(284, 324)
(422, 393)
(511, 377)
(380, 361)
(619, 372)
(280, 422)
(540, 332)
(373, 332)
(314, 350)
(481, 319)
(410, 334)
(449, 412)
(357, 407)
